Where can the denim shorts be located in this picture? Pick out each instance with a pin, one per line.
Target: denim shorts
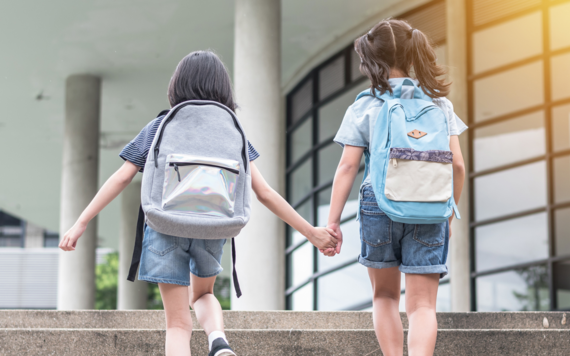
(171, 259)
(415, 248)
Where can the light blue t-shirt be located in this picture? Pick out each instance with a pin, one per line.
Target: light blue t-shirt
(358, 122)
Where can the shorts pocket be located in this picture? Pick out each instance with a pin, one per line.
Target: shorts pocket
(162, 244)
(214, 247)
(376, 227)
(430, 235)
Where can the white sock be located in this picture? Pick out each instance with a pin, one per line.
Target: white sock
(215, 335)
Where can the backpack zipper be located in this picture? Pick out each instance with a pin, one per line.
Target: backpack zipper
(422, 111)
(180, 164)
(177, 171)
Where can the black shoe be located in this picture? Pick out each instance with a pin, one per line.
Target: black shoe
(221, 348)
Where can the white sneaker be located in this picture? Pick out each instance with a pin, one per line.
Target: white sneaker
(221, 348)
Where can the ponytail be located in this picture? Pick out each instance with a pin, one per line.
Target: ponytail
(377, 51)
(394, 44)
(372, 66)
(425, 67)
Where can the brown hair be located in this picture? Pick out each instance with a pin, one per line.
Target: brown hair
(201, 75)
(395, 44)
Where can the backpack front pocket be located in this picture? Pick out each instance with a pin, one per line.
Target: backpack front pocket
(200, 185)
(419, 176)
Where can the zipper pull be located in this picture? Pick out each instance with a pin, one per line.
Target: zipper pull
(177, 171)
(395, 162)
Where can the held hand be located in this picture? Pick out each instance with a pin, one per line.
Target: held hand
(323, 238)
(336, 228)
(330, 252)
(70, 238)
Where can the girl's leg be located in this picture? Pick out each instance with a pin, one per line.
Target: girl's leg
(178, 319)
(206, 306)
(421, 295)
(386, 315)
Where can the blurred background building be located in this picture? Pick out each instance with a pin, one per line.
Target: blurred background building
(80, 79)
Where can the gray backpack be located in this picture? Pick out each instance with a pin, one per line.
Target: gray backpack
(196, 181)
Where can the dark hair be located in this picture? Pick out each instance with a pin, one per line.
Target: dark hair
(395, 44)
(201, 75)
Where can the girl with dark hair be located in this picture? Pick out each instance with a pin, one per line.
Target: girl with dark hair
(186, 269)
(389, 53)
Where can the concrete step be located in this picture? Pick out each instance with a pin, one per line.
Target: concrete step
(103, 342)
(275, 320)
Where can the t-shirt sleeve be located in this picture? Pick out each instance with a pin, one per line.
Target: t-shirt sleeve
(253, 154)
(354, 130)
(460, 126)
(456, 125)
(136, 151)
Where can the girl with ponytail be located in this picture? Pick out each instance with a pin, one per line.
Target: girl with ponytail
(390, 53)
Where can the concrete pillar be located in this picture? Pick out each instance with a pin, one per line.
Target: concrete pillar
(257, 79)
(80, 170)
(130, 295)
(459, 245)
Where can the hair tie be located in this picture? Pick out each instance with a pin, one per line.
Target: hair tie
(411, 32)
(369, 35)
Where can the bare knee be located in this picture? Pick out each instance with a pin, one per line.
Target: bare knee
(180, 322)
(421, 293)
(387, 294)
(424, 306)
(385, 283)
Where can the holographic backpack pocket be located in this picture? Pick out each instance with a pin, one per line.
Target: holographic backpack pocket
(200, 185)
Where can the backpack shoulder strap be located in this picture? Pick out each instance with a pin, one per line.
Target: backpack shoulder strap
(368, 92)
(137, 251)
(162, 113)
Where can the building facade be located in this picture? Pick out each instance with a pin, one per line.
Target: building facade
(519, 113)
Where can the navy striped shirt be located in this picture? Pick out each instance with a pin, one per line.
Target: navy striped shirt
(136, 151)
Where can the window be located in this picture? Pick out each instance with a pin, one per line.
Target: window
(507, 42)
(521, 289)
(559, 26)
(520, 166)
(331, 77)
(511, 242)
(561, 127)
(510, 191)
(510, 91)
(559, 73)
(509, 141)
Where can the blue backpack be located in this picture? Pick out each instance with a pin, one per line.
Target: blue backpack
(409, 160)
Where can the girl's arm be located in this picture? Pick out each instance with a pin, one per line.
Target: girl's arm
(458, 171)
(322, 238)
(109, 191)
(343, 181)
